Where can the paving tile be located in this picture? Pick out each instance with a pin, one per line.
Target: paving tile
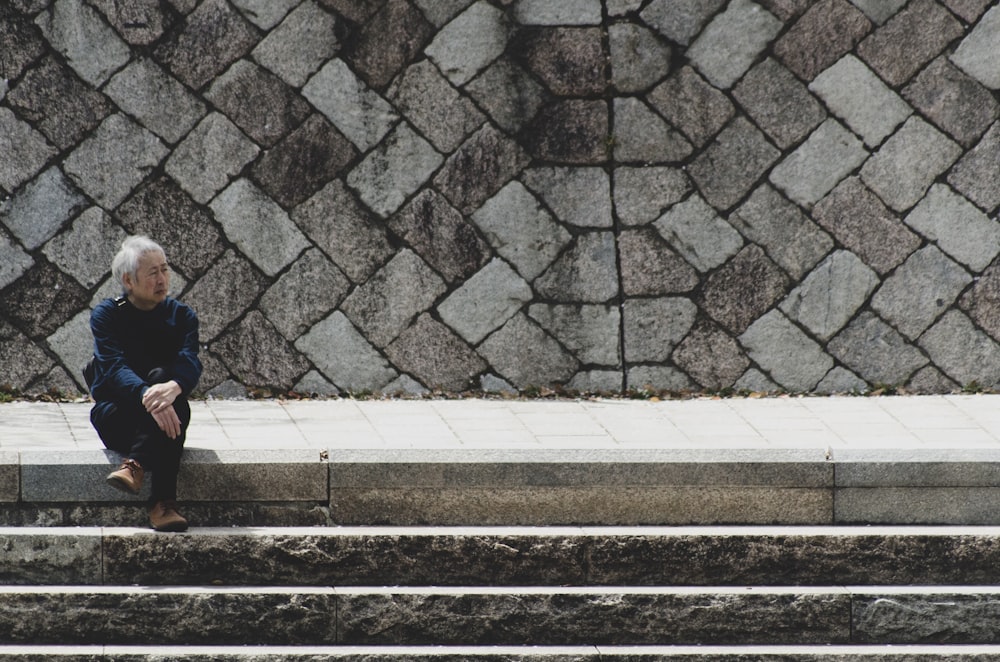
(910, 39)
(905, 166)
(880, 239)
(731, 42)
(828, 155)
(780, 105)
(953, 101)
(479, 168)
(857, 96)
(821, 36)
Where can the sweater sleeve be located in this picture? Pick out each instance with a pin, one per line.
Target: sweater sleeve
(113, 379)
(186, 369)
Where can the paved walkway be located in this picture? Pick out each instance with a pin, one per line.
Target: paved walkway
(914, 423)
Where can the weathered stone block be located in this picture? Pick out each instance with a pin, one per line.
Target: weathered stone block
(344, 230)
(214, 36)
(857, 96)
(909, 40)
(212, 153)
(697, 232)
(39, 209)
(859, 220)
(566, 12)
(975, 173)
(642, 193)
(726, 170)
(818, 165)
(957, 227)
(57, 102)
(955, 102)
(344, 356)
(258, 355)
(359, 112)
(434, 107)
(732, 41)
(792, 359)
(976, 55)
(186, 232)
(258, 226)
(384, 305)
(920, 290)
(963, 352)
(526, 355)
(157, 100)
(653, 327)
(828, 30)
(472, 40)
(711, 357)
(586, 272)
(638, 58)
(224, 293)
(574, 131)
(26, 148)
(879, 11)
(906, 165)
(73, 342)
(22, 44)
(438, 12)
(41, 300)
(303, 162)
(507, 93)
(276, 109)
(306, 38)
(692, 105)
(656, 379)
(743, 289)
(441, 236)
(831, 295)
(429, 351)
(578, 196)
(86, 249)
(21, 361)
(982, 301)
(649, 266)
(788, 236)
(400, 165)
(874, 350)
(570, 61)
(778, 103)
(520, 230)
(841, 381)
(306, 293)
(265, 14)
(642, 136)
(81, 36)
(970, 10)
(13, 261)
(591, 332)
(485, 301)
(681, 20)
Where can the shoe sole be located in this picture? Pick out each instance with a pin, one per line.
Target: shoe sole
(175, 527)
(119, 484)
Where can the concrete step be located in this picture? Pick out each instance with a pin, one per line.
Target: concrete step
(943, 653)
(502, 556)
(520, 486)
(462, 616)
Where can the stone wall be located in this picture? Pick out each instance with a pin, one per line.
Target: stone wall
(402, 195)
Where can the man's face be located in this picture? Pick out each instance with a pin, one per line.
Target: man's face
(151, 282)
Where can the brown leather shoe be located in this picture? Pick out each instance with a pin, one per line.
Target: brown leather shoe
(127, 478)
(164, 517)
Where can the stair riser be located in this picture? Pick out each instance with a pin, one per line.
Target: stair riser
(517, 618)
(326, 557)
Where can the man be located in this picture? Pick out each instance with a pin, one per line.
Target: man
(144, 368)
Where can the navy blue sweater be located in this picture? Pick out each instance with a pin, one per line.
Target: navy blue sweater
(129, 343)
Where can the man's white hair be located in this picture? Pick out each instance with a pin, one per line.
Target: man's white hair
(127, 259)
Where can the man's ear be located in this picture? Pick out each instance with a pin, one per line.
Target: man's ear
(127, 281)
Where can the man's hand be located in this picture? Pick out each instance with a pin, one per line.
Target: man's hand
(159, 397)
(168, 421)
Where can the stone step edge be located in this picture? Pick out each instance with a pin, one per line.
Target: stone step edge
(754, 652)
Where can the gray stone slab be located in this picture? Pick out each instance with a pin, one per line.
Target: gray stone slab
(41, 208)
(827, 299)
(973, 506)
(46, 556)
(957, 227)
(909, 616)
(977, 54)
(10, 476)
(828, 155)
(485, 301)
(642, 136)
(212, 153)
(793, 359)
(698, 233)
(344, 356)
(638, 57)
(356, 110)
(620, 505)
(613, 616)
(469, 42)
(980, 166)
(89, 44)
(159, 101)
(394, 170)
(681, 20)
(306, 38)
(962, 351)
(732, 41)
(876, 351)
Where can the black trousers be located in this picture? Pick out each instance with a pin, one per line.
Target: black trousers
(130, 430)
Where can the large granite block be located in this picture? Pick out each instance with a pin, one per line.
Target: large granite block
(46, 556)
(10, 476)
(926, 616)
(972, 506)
(976, 55)
(779, 103)
(731, 42)
(824, 33)
(954, 101)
